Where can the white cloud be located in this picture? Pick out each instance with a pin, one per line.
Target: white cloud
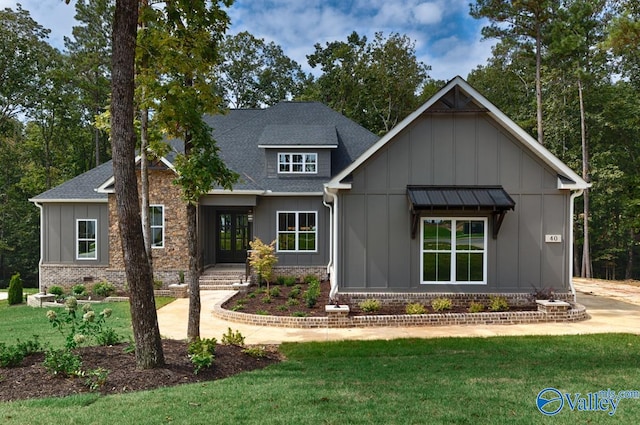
(453, 56)
(428, 13)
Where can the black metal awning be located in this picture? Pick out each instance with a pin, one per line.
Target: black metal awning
(492, 199)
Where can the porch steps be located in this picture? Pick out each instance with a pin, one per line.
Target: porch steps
(222, 277)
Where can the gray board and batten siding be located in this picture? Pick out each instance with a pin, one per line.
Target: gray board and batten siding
(453, 149)
(59, 239)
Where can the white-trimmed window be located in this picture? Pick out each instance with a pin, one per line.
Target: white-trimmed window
(297, 231)
(297, 163)
(156, 218)
(454, 250)
(86, 239)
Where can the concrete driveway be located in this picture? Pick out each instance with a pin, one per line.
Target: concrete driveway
(614, 307)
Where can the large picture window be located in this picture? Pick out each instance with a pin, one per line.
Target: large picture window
(298, 163)
(86, 239)
(156, 217)
(297, 231)
(454, 250)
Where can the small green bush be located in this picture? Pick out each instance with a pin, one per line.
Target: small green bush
(299, 314)
(498, 303)
(79, 290)
(370, 305)
(262, 312)
(266, 299)
(15, 290)
(57, 291)
(292, 302)
(256, 351)
(275, 291)
(415, 308)
(476, 307)
(202, 353)
(157, 284)
(62, 362)
(12, 356)
(441, 304)
(295, 291)
(233, 338)
(289, 280)
(282, 308)
(312, 293)
(103, 289)
(310, 278)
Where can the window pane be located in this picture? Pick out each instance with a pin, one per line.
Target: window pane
(477, 235)
(307, 242)
(463, 235)
(286, 222)
(156, 237)
(429, 272)
(437, 235)
(86, 229)
(287, 242)
(436, 267)
(156, 215)
(469, 267)
(310, 163)
(307, 222)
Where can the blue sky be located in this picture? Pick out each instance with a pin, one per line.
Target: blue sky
(446, 37)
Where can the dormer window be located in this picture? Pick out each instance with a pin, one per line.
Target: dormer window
(297, 163)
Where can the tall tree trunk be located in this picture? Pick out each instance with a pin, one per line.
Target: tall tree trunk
(587, 268)
(144, 184)
(144, 319)
(628, 271)
(193, 328)
(539, 83)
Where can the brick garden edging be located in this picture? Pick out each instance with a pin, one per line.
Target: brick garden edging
(576, 312)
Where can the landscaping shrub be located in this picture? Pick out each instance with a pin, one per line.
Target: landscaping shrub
(274, 292)
(497, 303)
(157, 284)
(415, 308)
(15, 290)
(103, 289)
(262, 259)
(202, 353)
(233, 338)
(441, 304)
(57, 291)
(79, 290)
(12, 355)
(310, 278)
(62, 362)
(312, 293)
(295, 291)
(370, 305)
(289, 280)
(476, 307)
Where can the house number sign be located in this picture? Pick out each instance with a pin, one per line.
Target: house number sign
(553, 238)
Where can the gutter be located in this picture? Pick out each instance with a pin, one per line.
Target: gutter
(572, 199)
(333, 262)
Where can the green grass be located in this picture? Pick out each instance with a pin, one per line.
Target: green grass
(22, 321)
(408, 381)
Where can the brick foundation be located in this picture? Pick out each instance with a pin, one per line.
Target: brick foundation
(68, 275)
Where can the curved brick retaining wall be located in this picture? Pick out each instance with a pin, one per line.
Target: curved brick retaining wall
(574, 313)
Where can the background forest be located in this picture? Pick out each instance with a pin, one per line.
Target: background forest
(566, 71)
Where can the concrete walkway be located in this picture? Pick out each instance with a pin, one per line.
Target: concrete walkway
(4, 295)
(614, 307)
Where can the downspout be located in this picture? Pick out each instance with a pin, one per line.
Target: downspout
(330, 264)
(573, 197)
(333, 262)
(41, 245)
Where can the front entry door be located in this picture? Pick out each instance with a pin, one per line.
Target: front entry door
(233, 236)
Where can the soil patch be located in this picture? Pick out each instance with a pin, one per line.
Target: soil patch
(31, 379)
(290, 301)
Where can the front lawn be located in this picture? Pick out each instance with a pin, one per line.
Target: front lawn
(408, 381)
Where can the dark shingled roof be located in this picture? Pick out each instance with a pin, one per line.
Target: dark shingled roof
(81, 187)
(238, 134)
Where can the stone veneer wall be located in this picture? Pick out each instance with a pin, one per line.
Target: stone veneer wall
(300, 271)
(167, 261)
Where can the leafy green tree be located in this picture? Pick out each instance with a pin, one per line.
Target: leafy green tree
(24, 53)
(523, 23)
(254, 74)
(90, 57)
(146, 333)
(624, 38)
(15, 290)
(375, 83)
(183, 40)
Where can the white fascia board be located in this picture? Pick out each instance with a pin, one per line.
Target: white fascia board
(234, 192)
(544, 154)
(69, 201)
(103, 187)
(298, 146)
(269, 193)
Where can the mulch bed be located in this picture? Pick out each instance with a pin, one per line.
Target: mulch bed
(278, 305)
(32, 380)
